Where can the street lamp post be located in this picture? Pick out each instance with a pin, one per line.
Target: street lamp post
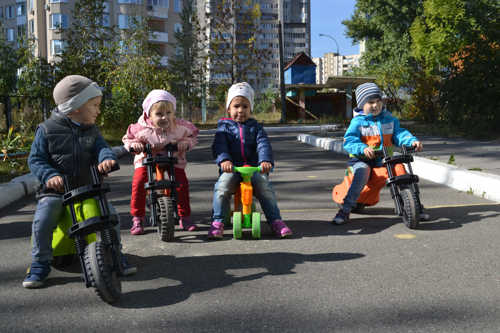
(338, 54)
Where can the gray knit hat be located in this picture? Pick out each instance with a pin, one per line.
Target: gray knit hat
(73, 91)
(366, 91)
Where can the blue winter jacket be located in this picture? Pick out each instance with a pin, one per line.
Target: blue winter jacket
(241, 143)
(369, 131)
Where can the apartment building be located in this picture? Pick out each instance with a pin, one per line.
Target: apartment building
(42, 19)
(333, 64)
(295, 16)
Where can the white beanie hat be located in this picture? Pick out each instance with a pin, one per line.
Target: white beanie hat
(240, 89)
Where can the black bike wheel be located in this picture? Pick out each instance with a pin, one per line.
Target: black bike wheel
(99, 266)
(410, 213)
(166, 225)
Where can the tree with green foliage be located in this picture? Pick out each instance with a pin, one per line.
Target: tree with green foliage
(234, 51)
(458, 40)
(139, 70)
(8, 65)
(89, 45)
(384, 25)
(187, 65)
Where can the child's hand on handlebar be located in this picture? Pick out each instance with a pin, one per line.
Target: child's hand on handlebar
(106, 166)
(265, 167)
(55, 183)
(226, 166)
(418, 146)
(369, 152)
(137, 147)
(182, 146)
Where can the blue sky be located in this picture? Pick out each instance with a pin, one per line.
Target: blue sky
(326, 18)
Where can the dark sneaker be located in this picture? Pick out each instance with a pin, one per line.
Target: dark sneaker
(341, 218)
(216, 230)
(37, 274)
(127, 269)
(280, 229)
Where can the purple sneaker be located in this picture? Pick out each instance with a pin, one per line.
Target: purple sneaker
(186, 224)
(280, 229)
(216, 230)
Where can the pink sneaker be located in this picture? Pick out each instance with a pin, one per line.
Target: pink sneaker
(280, 229)
(137, 225)
(216, 230)
(186, 224)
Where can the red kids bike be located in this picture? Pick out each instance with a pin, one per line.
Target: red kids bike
(397, 174)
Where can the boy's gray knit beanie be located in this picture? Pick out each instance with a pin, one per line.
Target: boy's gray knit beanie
(366, 91)
(73, 91)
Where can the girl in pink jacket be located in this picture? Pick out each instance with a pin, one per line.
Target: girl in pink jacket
(158, 127)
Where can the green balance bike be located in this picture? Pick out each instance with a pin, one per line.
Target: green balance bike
(244, 215)
(86, 230)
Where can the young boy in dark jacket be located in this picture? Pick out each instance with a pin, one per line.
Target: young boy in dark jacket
(241, 140)
(65, 144)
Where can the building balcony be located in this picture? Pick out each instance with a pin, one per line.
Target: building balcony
(159, 37)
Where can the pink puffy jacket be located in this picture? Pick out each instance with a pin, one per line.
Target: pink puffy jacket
(144, 132)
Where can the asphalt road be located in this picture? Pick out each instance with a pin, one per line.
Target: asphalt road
(372, 275)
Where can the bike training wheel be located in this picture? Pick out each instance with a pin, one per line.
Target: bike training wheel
(237, 233)
(256, 225)
(410, 214)
(166, 225)
(99, 266)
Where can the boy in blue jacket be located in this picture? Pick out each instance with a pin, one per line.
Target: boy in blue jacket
(65, 144)
(241, 140)
(372, 128)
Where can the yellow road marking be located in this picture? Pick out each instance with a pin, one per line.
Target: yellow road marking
(405, 236)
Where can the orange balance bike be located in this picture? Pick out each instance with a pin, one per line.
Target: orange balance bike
(162, 192)
(397, 174)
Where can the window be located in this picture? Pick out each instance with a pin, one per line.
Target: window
(177, 27)
(21, 30)
(1, 12)
(178, 6)
(123, 21)
(58, 1)
(130, 1)
(10, 35)
(31, 26)
(158, 3)
(105, 20)
(9, 12)
(58, 21)
(30, 5)
(57, 46)
(21, 9)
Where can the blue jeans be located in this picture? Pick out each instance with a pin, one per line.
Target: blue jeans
(361, 171)
(48, 212)
(228, 183)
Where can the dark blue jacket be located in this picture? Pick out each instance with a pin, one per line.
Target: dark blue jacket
(241, 143)
(66, 150)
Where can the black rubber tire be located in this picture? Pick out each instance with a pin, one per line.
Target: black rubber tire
(62, 262)
(166, 225)
(99, 266)
(410, 213)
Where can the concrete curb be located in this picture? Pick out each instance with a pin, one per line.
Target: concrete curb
(481, 184)
(290, 129)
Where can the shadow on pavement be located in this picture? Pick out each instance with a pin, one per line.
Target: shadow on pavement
(203, 273)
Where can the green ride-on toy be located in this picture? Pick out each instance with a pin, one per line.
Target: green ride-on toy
(86, 230)
(244, 215)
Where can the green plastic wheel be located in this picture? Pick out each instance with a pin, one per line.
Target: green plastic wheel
(256, 225)
(237, 233)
